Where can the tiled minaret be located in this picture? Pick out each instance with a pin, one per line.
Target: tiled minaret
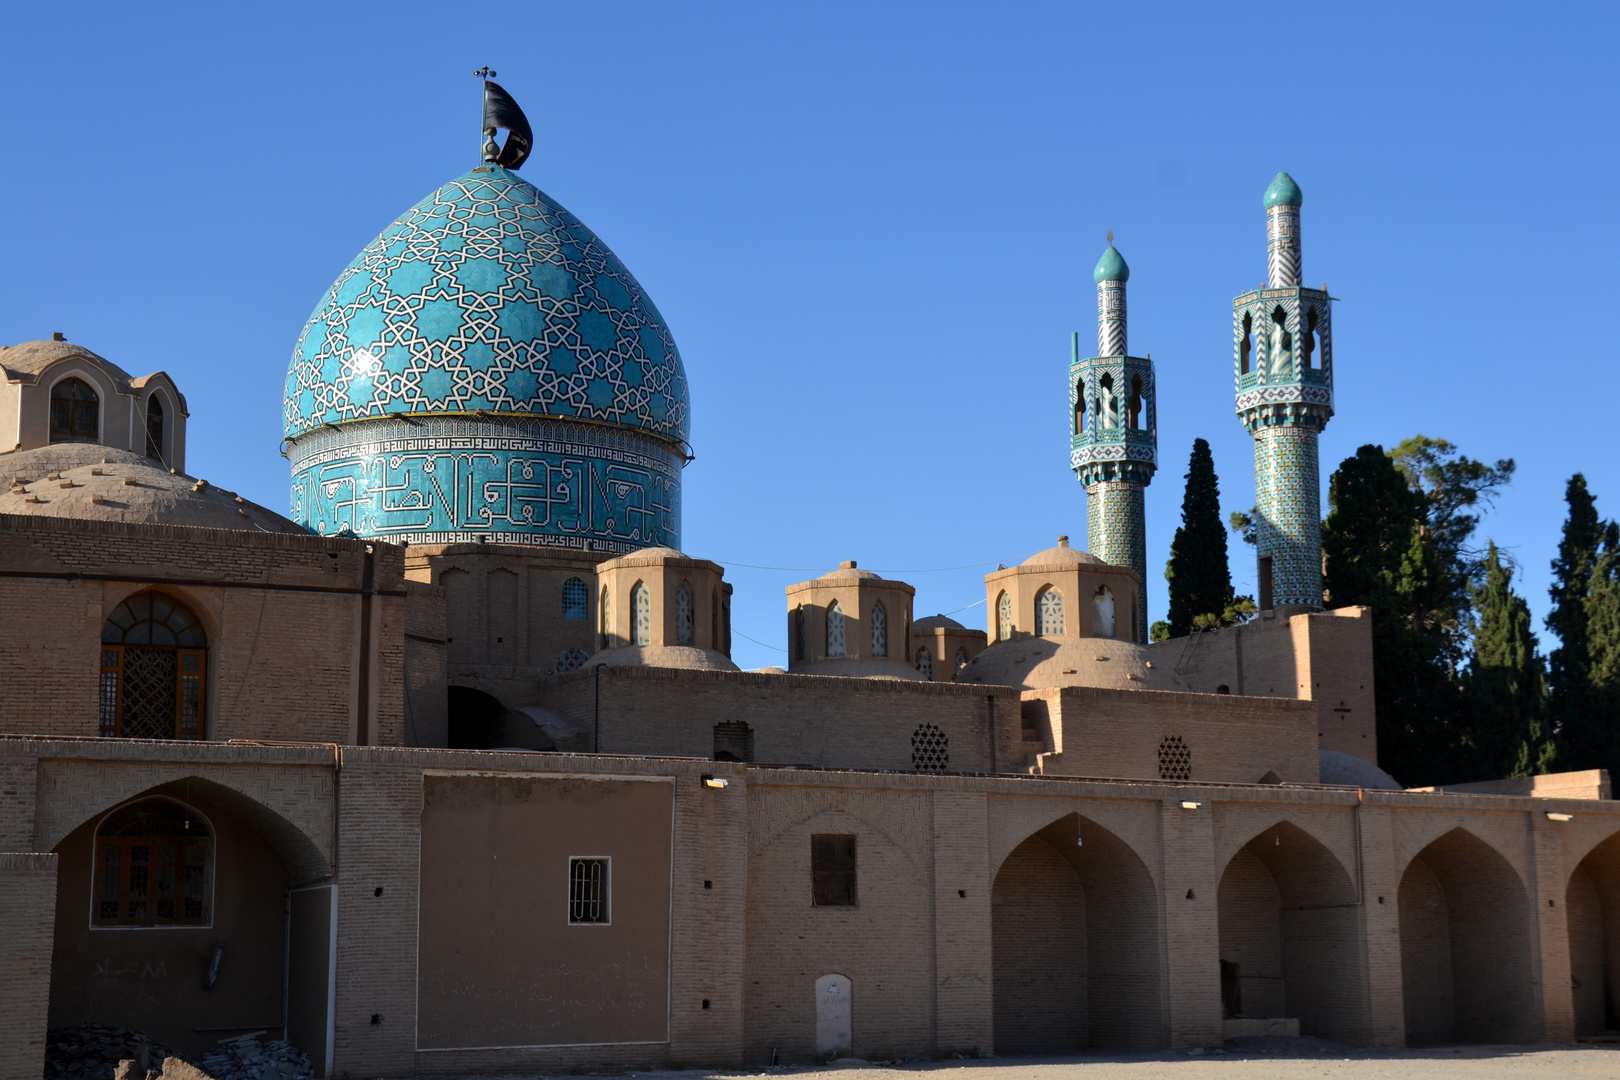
(1283, 345)
(1114, 438)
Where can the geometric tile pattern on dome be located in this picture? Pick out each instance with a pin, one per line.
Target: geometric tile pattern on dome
(1116, 532)
(1288, 525)
(515, 480)
(488, 295)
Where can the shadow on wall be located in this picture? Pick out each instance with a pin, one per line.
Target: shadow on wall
(1075, 940)
(1289, 935)
(480, 721)
(1592, 907)
(1465, 946)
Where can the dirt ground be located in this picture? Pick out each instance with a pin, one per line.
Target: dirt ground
(1243, 1059)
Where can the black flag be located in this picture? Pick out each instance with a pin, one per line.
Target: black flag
(500, 111)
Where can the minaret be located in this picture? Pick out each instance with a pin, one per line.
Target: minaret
(1283, 362)
(1113, 429)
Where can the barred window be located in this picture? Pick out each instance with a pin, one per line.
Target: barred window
(153, 867)
(153, 670)
(1004, 623)
(570, 660)
(832, 870)
(925, 663)
(880, 631)
(683, 614)
(641, 608)
(835, 630)
(1049, 613)
(575, 600)
(961, 659)
(588, 887)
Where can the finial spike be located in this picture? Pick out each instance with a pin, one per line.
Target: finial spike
(1110, 236)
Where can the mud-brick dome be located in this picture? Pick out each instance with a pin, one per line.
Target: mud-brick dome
(488, 297)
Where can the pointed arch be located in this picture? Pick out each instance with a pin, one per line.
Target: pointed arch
(683, 614)
(1004, 617)
(641, 614)
(1049, 612)
(880, 630)
(835, 630)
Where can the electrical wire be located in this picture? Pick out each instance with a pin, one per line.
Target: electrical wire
(829, 569)
(756, 641)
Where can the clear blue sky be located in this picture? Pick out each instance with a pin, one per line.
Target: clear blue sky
(871, 228)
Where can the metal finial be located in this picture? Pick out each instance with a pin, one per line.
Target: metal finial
(1110, 236)
(490, 149)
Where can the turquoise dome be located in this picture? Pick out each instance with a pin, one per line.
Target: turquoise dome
(487, 297)
(1284, 192)
(1111, 267)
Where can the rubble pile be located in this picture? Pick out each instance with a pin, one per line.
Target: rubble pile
(245, 1058)
(93, 1051)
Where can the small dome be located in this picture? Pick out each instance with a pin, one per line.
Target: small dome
(1063, 555)
(1347, 769)
(661, 656)
(487, 296)
(90, 485)
(32, 357)
(937, 622)
(861, 669)
(1031, 663)
(1111, 267)
(1284, 192)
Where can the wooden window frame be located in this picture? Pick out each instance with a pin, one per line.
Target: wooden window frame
(185, 856)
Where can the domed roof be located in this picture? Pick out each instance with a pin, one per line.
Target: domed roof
(488, 296)
(103, 483)
(1349, 770)
(843, 668)
(1063, 555)
(1034, 662)
(688, 657)
(937, 622)
(1111, 267)
(1284, 192)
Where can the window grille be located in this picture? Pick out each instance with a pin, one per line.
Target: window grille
(961, 659)
(75, 412)
(154, 428)
(575, 600)
(930, 749)
(588, 886)
(835, 630)
(683, 614)
(606, 612)
(152, 867)
(1175, 759)
(1004, 623)
(733, 741)
(1049, 613)
(880, 631)
(832, 870)
(154, 669)
(925, 663)
(798, 632)
(1103, 602)
(641, 604)
(571, 660)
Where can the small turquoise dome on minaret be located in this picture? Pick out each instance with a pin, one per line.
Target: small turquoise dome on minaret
(1284, 192)
(1111, 267)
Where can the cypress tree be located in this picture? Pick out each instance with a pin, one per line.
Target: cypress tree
(1603, 651)
(1506, 684)
(1581, 730)
(1200, 581)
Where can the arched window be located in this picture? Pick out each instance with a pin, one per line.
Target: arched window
(1136, 403)
(798, 632)
(154, 864)
(1080, 407)
(925, 663)
(154, 666)
(572, 660)
(1308, 346)
(1107, 403)
(961, 659)
(835, 630)
(154, 427)
(683, 614)
(1103, 605)
(880, 631)
(641, 605)
(1049, 613)
(1246, 346)
(1004, 623)
(605, 612)
(576, 600)
(75, 412)
(1281, 359)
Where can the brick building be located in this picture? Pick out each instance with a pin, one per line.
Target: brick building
(435, 785)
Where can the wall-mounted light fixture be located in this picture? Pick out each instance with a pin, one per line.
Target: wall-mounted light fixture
(714, 782)
(1559, 817)
(1191, 805)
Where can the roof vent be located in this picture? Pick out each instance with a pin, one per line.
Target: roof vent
(57, 335)
(1063, 541)
(847, 564)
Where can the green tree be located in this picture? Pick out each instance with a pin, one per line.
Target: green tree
(1506, 685)
(1584, 732)
(1200, 581)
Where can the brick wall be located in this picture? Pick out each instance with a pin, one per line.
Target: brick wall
(281, 613)
(28, 899)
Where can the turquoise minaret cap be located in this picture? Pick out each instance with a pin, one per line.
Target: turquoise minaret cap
(1283, 192)
(1111, 267)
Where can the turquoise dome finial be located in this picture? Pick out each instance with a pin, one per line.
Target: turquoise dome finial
(1111, 267)
(1284, 192)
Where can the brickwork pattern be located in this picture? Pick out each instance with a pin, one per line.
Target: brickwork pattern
(28, 899)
